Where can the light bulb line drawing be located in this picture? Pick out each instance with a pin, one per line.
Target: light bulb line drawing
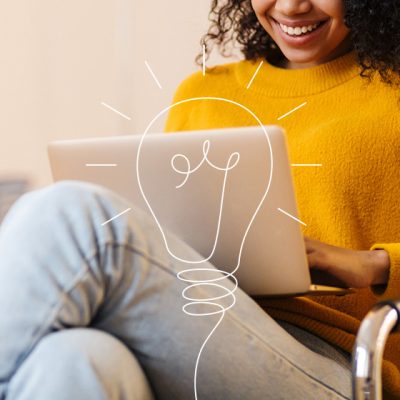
(193, 283)
(209, 301)
(206, 148)
(263, 127)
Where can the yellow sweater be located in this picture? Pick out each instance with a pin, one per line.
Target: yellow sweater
(352, 200)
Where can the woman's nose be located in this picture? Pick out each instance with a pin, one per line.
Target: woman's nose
(293, 7)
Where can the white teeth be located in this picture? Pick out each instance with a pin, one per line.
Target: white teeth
(298, 30)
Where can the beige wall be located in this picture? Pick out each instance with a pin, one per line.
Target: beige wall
(60, 59)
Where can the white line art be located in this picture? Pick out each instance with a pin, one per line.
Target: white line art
(294, 109)
(118, 215)
(206, 148)
(204, 59)
(221, 274)
(306, 165)
(116, 111)
(194, 283)
(153, 75)
(255, 74)
(101, 165)
(291, 216)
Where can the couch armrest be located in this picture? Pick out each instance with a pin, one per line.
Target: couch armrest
(10, 190)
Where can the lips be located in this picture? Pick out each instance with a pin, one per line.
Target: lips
(315, 27)
(304, 39)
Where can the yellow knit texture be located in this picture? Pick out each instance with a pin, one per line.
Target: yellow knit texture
(352, 128)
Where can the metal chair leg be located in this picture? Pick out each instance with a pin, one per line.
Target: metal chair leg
(375, 328)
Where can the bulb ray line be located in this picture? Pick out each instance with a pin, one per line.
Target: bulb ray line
(294, 109)
(153, 75)
(204, 59)
(115, 110)
(116, 216)
(291, 216)
(255, 74)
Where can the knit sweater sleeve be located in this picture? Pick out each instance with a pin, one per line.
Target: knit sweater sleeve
(392, 289)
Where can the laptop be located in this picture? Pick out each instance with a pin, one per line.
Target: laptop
(228, 193)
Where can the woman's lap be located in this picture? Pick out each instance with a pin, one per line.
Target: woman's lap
(68, 270)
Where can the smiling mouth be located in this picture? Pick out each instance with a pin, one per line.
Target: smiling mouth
(299, 31)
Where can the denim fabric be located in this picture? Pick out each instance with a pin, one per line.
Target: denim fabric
(79, 363)
(62, 268)
(318, 345)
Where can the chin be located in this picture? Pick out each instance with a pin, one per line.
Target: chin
(302, 57)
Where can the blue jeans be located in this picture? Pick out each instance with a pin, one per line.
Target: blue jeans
(94, 311)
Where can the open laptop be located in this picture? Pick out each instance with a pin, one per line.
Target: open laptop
(228, 193)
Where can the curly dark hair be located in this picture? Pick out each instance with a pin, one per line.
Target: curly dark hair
(374, 32)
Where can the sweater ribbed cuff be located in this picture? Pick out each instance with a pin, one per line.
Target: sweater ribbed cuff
(392, 289)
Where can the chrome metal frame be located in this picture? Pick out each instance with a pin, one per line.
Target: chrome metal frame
(375, 328)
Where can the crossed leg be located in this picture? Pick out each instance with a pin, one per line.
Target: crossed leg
(60, 268)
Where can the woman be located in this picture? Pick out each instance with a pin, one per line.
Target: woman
(88, 308)
(336, 64)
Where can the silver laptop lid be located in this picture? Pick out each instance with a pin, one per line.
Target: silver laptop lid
(186, 181)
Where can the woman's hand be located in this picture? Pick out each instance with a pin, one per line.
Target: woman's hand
(355, 268)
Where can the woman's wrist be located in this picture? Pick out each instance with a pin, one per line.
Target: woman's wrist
(380, 263)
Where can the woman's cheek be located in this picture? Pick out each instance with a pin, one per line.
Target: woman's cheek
(260, 6)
